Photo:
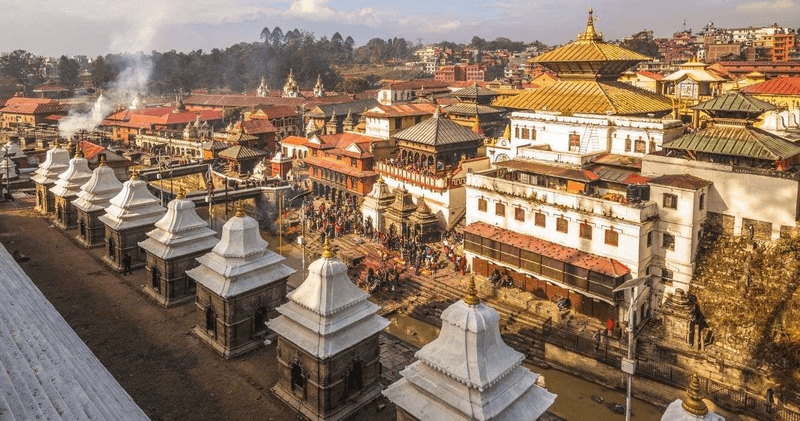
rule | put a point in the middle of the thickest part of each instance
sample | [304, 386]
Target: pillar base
[341, 413]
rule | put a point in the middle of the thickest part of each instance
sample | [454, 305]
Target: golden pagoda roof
[590, 48]
[590, 97]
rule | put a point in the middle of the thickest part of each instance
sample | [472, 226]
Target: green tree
[69, 72]
[353, 85]
[642, 46]
[24, 67]
[103, 72]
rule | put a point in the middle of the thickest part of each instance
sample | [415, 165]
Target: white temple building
[239, 283]
[469, 373]
[55, 163]
[129, 216]
[66, 189]
[172, 248]
[692, 408]
[92, 201]
[328, 349]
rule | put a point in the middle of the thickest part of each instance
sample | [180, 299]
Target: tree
[69, 72]
[276, 37]
[265, 34]
[24, 67]
[102, 72]
[642, 46]
[353, 85]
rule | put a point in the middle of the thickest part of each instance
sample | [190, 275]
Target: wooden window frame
[670, 201]
[519, 214]
[612, 237]
[585, 231]
[562, 225]
[540, 220]
[483, 205]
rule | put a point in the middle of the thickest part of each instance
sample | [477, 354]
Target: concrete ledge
[343, 412]
[228, 353]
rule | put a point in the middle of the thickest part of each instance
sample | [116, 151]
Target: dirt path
[148, 349]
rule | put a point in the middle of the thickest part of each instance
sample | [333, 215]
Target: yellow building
[782, 91]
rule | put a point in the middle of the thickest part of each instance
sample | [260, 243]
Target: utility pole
[280, 224]
[629, 363]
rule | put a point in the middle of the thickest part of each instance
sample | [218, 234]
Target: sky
[92, 27]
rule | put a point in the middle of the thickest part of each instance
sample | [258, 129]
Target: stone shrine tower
[468, 372]
[66, 189]
[180, 236]
[692, 408]
[263, 90]
[56, 162]
[129, 216]
[8, 169]
[239, 283]
[319, 88]
[290, 88]
[92, 201]
[280, 165]
[375, 205]
[328, 349]
[424, 224]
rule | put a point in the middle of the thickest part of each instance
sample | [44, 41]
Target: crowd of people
[332, 220]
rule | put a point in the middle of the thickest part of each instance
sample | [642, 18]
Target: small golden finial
[693, 403]
[103, 160]
[56, 144]
[326, 249]
[78, 151]
[239, 210]
[471, 299]
[181, 194]
[590, 34]
[134, 175]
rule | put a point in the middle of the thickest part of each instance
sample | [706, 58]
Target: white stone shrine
[66, 189]
[92, 201]
[45, 177]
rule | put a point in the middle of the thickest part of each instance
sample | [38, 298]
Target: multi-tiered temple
[55, 163]
[239, 283]
[66, 189]
[172, 248]
[91, 203]
[328, 349]
[129, 216]
[469, 373]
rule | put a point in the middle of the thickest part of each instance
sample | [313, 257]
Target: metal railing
[733, 400]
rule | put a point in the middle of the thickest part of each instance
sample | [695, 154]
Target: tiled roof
[595, 51]
[560, 171]
[342, 141]
[777, 86]
[575, 257]
[615, 175]
[651, 75]
[158, 116]
[474, 91]
[338, 166]
[681, 181]
[438, 130]
[255, 127]
[697, 75]
[589, 96]
[736, 140]
[428, 84]
[294, 140]
[735, 102]
[214, 145]
[466, 108]
[241, 152]
[19, 105]
[203, 100]
[51, 88]
[404, 110]
[326, 110]
[280, 111]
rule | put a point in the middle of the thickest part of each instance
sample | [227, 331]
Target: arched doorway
[259, 319]
[156, 279]
[298, 380]
[211, 321]
[354, 378]
[111, 249]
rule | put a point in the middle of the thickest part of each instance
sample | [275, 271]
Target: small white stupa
[8, 168]
[13, 150]
[91, 203]
[129, 216]
[55, 163]
[692, 408]
[469, 373]
[246, 277]
[180, 236]
[67, 187]
[376, 203]
[332, 329]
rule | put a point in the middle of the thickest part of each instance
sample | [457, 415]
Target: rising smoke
[131, 80]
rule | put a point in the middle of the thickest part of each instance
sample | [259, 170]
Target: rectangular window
[668, 241]
[649, 238]
[562, 225]
[539, 220]
[353, 162]
[519, 214]
[667, 274]
[612, 237]
[670, 201]
[574, 142]
[526, 133]
[639, 146]
[702, 201]
[533, 133]
[585, 231]
[499, 209]
[482, 205]
[516, 132]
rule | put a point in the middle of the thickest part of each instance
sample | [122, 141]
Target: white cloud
[319, 11]
[766, 6]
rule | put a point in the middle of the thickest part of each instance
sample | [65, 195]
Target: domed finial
[78, 151]
[693, 403]
[380, 179]
[181, 193]
[326, 249]
[134, 175]
[239, 210]
[438, 112]
[102, 160]
[471, 299]
[56, 144]
[590, 34]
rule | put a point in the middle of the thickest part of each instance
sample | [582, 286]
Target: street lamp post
[629, 363]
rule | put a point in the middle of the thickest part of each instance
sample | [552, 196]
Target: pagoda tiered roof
[96, 193]
[438, 130]
[70, 181]
[327, 313]
[55, 163]
[240, 262]
[134, 206]
[180, 232]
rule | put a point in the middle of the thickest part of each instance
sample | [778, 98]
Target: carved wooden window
[482, 205]
[540, 220]
[499, 209]
[612, 237]
[562, 225]
[519, 214]
[585, 231]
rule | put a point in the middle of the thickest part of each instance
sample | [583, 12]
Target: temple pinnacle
[326, 250]
[693, 403]
[471, 299]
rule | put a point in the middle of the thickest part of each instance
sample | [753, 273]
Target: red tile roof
[339, 166]
[257, 127]
[341, 141]
[277, 112]
[294, 140]
[575, 257]
[428, 84]
[777, 86]
[404, 110]
[142, 119]
[20, 105]
[651, 75]
[681, 181]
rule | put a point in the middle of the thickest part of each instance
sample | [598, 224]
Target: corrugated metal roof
[465, 108]
[777, 86]
[745, 141]
[735, 102]
[560, 171]
[474, 91]
[682, 181]
[241, 152]
[589, 96]
[438, 130]
[589, 51]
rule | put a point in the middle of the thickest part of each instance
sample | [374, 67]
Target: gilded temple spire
[590, 34]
